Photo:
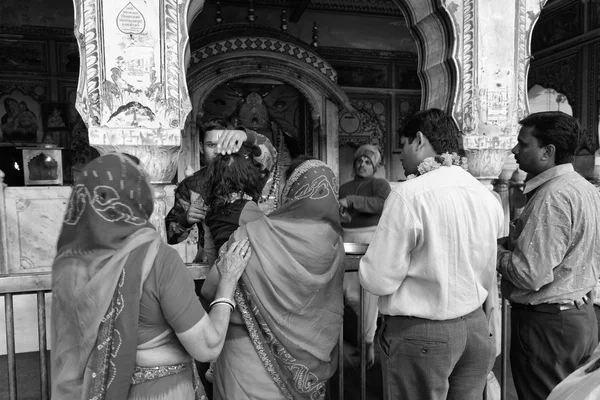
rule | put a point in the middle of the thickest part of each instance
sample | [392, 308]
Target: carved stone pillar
[132, 91]
[474, 58]
[493, 59]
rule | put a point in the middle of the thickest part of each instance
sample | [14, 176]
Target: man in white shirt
[432, 261]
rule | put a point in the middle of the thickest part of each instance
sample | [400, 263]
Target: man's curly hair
[437, 126]
[231, 174]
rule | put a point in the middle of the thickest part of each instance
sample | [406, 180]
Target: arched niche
[228, 58]
[547, 99]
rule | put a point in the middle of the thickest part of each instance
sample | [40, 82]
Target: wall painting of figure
[20, 119]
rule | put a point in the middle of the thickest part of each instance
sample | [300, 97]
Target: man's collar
[547, 175]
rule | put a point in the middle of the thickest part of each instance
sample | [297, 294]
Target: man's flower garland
[433, 163]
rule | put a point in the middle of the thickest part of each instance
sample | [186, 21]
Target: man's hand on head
[231, 141]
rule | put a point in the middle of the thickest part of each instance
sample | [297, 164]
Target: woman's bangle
[223, 300]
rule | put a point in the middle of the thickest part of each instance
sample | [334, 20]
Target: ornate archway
[224, 55]
[431, 25]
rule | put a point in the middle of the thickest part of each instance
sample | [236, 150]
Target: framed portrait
[24, 56]
[595, 14]
[406, 104]
[68, 58]
[562, 23]
[68, 94]
[20, 119]
[407, 78]
[55, 117]
[363, 74]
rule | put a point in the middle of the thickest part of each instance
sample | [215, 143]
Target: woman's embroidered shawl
[290, 294]
[105, 247]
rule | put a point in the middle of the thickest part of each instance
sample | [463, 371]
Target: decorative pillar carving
[493, 57]
[132, 91]
[474, 65]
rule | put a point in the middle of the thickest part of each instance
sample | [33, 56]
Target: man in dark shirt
[216, 136]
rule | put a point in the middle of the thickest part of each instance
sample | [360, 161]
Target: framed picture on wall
[24, 56]
[20, 119]
[407, 78]
[68, 94]
[406, 104]
[55, 117]
[68, 58]
[363, 74]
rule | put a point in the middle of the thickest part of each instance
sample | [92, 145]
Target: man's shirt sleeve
[539, 248]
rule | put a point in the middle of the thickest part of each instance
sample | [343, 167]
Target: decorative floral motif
[304, 381]
[441, 160]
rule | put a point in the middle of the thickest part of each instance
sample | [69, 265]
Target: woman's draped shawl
[290, 294]
[105, 249]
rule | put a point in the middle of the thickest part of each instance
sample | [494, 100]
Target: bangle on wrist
[222, 300]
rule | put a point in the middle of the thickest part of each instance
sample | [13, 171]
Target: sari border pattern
[304, 381]
[248, 317]
[107, 346]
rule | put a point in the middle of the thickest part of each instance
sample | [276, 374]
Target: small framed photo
[68, 58]
[406, 104]
[24, 56]
[363, 74]
[20, 119]
[55, 117]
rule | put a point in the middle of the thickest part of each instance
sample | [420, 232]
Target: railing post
[341, 365]
[10, 346]
[363, 353]
[505, 349]
[41, 313]
[357, 250]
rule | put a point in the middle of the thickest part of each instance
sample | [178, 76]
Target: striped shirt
[556, 256]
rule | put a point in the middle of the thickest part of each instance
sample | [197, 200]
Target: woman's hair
[231, 174]
[295, 163]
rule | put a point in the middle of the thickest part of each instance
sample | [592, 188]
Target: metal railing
[10, 286]
[40, 284]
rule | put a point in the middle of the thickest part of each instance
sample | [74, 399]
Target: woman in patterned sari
[282, 344]
[125, 319]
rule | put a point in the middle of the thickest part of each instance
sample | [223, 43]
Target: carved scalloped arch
[211, 83]
[310, 81]
[433, 30]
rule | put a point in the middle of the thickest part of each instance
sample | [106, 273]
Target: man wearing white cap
[361, 204]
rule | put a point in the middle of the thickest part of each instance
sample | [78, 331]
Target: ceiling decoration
[377, 7]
